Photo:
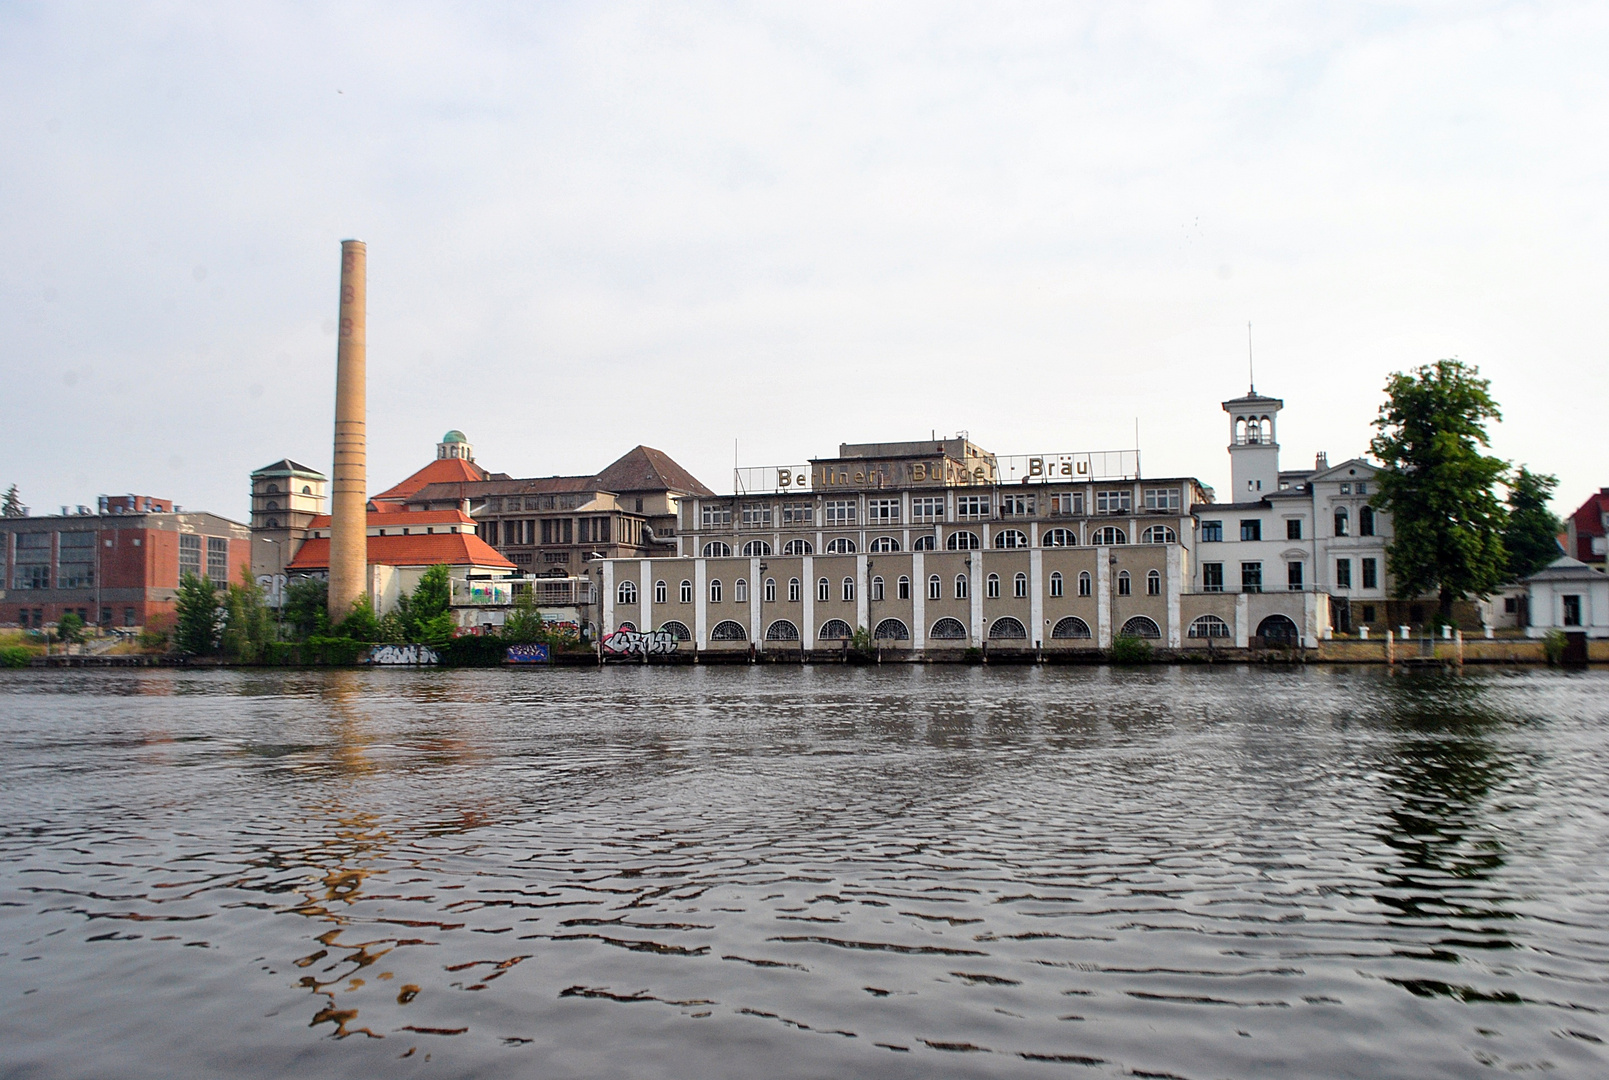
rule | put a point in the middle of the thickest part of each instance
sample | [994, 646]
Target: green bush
[1130, 650]
[15, 655]
[335, 651]
[1553, 647]
[472, 650]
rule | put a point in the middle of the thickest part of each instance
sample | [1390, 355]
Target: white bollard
[1363, 633]
[1488, 633]
[1446, 633]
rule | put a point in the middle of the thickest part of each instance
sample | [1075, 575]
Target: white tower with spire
[1253, 445]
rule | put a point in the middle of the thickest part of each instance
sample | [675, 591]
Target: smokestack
[349, 532]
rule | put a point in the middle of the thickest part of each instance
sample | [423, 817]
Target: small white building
[1568, 595]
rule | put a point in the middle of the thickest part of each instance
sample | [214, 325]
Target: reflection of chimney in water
[349, 540]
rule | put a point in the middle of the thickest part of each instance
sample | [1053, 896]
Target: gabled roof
[442, 470]
[1566, 569]
[451, 549]
[1252, 400]
[1335, 472]
[540, 485]
[398, 518]
[643, 468]
[287, 467]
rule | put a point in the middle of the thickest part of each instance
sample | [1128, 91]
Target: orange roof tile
[452, 549]
[398, 516]
[440, 471]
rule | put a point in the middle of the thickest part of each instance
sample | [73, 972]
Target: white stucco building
[1568, 595]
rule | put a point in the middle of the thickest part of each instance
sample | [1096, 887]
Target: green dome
[454, 436]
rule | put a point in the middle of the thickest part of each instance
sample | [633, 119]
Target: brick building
[1586, 528]
[116, 567]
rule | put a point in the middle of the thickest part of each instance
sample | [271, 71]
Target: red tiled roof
[440, 471]
[452, 549]
[397, 516]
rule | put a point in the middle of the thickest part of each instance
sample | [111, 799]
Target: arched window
[960, 586]
[948, 630]
[1058, 538]
[1366, 521]
[840, 545]
[1340, 521]
[1070, 627]
[963, 541]
[1019, 586]
[1240, 431]
[798, 547]
[1278, 630]
[1141, 627]
[1055, 583]
[770, 595]
[1209, 626]
[1153, 583]
[756, 549]
[1124, 585]
[823, 590]
[1010, 538]
[661, 592]
[793, 590]
[740, 590]
[716, 549]
[306, 490]
[626, 593]
[877, 588]
[687, 592]
[1159, 534]
[835, 630]
[991, 586]
[273, 523]
[891, 630]
[904, 587]
[849, 588]
[1109, 536]
[782, 630]
[925, 543]
[727, 630]
[884, 543]
[628, 626]
[678, 631]
[1007, 629]
[935, 587]
[715, 590]
[273, 489]
[272, 505]
[1083, 583]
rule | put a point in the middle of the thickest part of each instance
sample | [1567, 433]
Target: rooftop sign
[853, 474]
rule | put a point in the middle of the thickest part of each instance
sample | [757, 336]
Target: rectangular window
[128, 616]
[1511, 604]
[1363, 488]
[77, 569]
[798, 513]
[1572, 610]
[1251, 577]
[1114, 502]
[547, 531]
[1064, 503]
[600, 530]
[1212, 532]
[1251, 529]
[1368, 613]
[841, 511]
[1343, 573]
[882, 511]
[1371, 573]
[928, 508]
[971, 506]
[564, 530]
[1293, 529]
[189, 555]
[1162, 498]
[218, 560]
[1016, 505]
[1346, 489]
[1212, 577]
[30, 576]
[1293, 576]
[717, 516]
[756, 515]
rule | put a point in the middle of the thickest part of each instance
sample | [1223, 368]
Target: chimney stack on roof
[1321, 461]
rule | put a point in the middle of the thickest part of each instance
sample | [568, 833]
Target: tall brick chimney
[349, 525]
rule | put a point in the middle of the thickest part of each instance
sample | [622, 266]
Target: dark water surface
[773, 872]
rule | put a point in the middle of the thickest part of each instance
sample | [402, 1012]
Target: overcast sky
[597, 225]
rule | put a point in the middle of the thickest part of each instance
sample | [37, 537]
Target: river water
[904, 871]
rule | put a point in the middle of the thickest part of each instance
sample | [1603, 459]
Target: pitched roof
[643, 468]
[442, 470]
[394, 519]
[1566, 569]
[452, 549]
[287, 467]
[541, 485]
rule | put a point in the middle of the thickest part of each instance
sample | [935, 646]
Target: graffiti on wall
[403, 655]
[639, 643]
[534, 653]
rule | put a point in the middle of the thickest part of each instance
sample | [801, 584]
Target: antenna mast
[1251, 367]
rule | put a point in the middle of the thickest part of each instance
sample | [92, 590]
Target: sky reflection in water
[900, 871]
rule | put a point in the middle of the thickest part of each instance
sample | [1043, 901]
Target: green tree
[427, 614]
[1532, 536]
[306, 607]
[360, 623]
[1438, 485]
[524, 622]
[13, 505]
[249, 627]
[200, 617]
[70, 628]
